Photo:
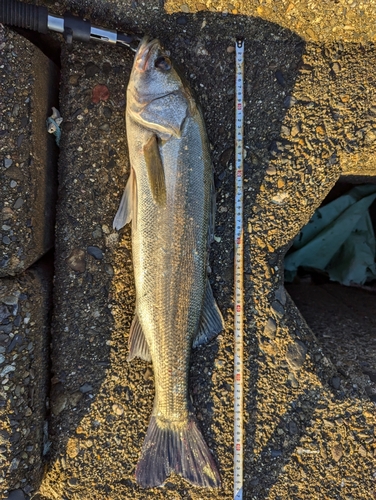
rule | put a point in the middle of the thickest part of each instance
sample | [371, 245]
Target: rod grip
[24, 15]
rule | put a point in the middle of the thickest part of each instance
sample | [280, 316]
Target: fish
[170, 199]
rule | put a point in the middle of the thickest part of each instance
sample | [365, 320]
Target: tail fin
[171, 448]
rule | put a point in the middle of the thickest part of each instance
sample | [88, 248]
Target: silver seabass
[169, 198]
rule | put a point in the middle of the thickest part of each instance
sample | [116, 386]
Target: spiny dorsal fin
[155, 171]
[211, 322]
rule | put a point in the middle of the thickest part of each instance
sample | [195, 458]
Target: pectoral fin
[211, 322]
[137, 342]
[127, 209]
[155, 171]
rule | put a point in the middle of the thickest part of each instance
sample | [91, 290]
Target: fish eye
[163, 63]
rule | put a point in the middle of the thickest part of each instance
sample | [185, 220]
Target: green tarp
[339, 240]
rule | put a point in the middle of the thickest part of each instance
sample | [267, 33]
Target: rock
[271, 170]
[289, 101]
[296, 353]
[148, 373]
[77, 260]
[117, 409]
[337, 452]
[293, 380]
[280, 295]
[95, 252]
[336, 383]
[270, 328]
[278, 310]
[86, 388]
[16, 495]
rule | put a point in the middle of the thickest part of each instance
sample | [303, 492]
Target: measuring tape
[238, 313]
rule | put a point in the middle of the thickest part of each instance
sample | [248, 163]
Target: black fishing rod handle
[24, 15]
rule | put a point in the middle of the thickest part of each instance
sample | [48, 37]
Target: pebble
[278, 309]
[289, 101]
[279, 198]
[270, 328]
[7, 162]
[182, 20]
[91, 70]
[2, 359]
[280, 295]
[117, 409]
[148, 373]
[73, 448]
[185, 8]
[295, 356]
[337, 452]
[7, 369]
[95, 252]
[230, 49]
[18, 203]
[86, 388]
[16, 495]
[271, 170]
[76, 260]
[293, 380]
[336, 383]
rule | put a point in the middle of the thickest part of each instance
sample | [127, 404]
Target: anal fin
[137, 342]
[211, 322]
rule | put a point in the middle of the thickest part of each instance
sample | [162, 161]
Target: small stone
[280, 183]
[362, 451]
[6, 240]
[7, 162]
[95, 252]
[2, 359]
[73, 448]
[280, 295]
[336, 383]
[279, 198]
[336, 67]
[270, 328]
[271, 170]
[295, 356]
[148, 373]
[280, 78]
[18, 203]
[117, 409]
[295, 130]
[219, 363]
[278, 309]
[337, 452]
[293, 380]
[182, 20]
[86, 388]
[275, 453]
[109, 269]
[289, 101]
[107, 112]
[100, 93]
[76, 260]
[73, 482]
[185, 8]
[97, 233]
[285, 131]
[16, 495]
[91, 70]
[293, 428]
[230, 49]
[7, 369]
[13, 184]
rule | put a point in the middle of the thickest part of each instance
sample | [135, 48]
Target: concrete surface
[25, 304]
[28, 156]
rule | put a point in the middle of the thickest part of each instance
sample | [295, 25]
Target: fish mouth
[145, 50]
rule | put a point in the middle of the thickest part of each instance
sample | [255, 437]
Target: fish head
[157, 97]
